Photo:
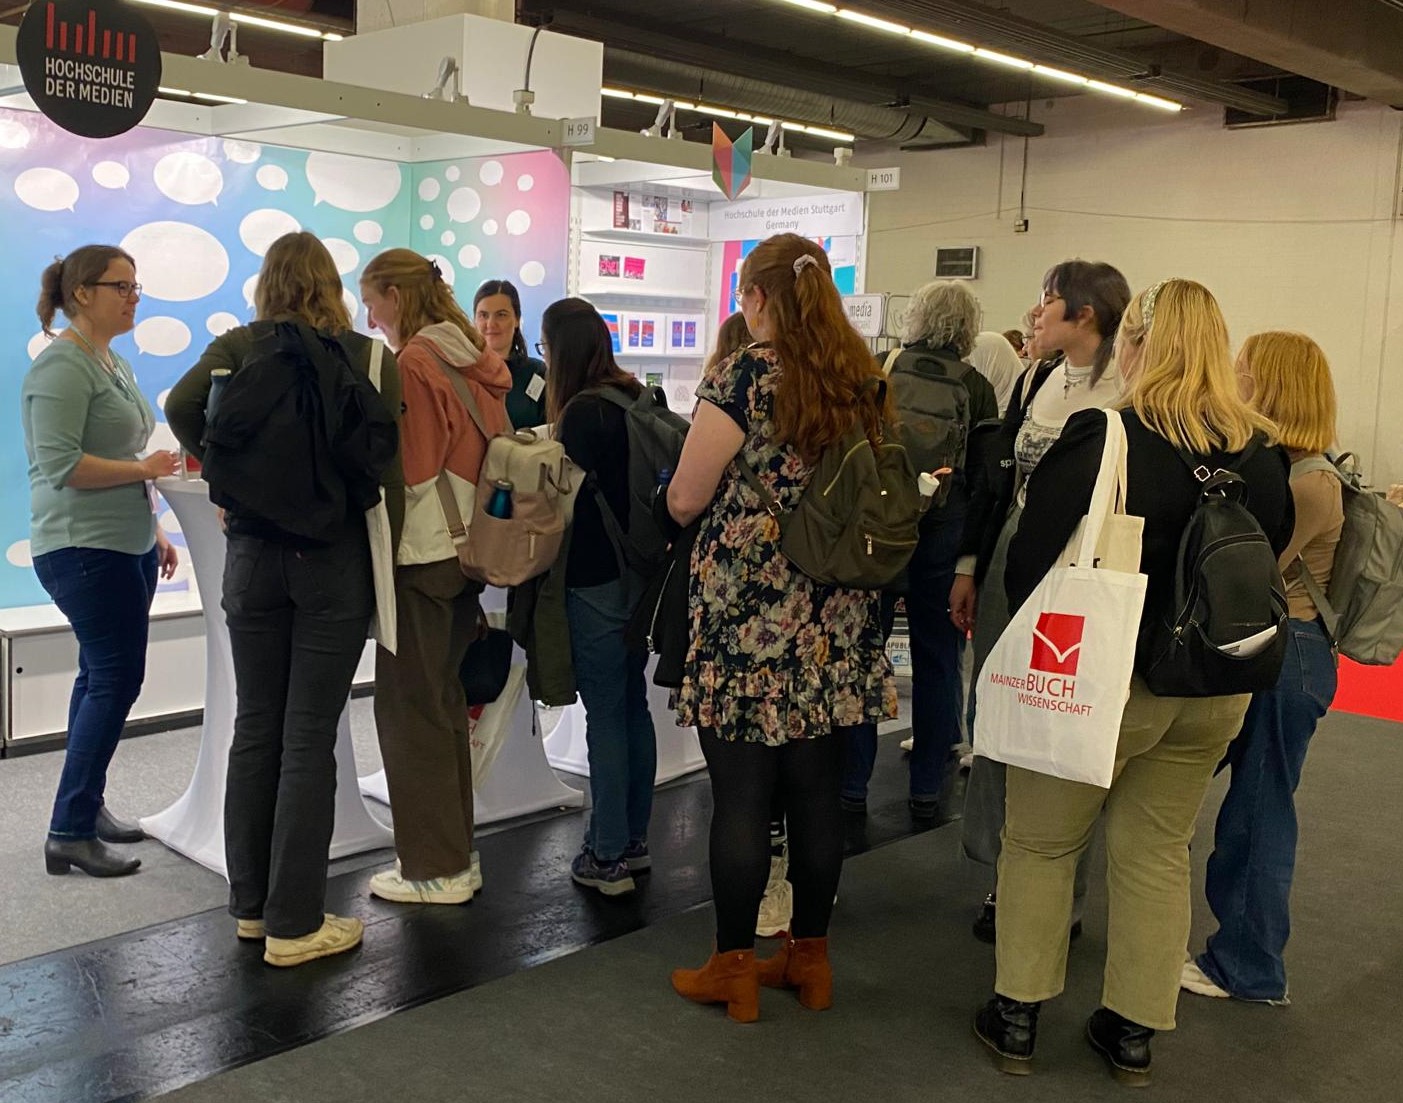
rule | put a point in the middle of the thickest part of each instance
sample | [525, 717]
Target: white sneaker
[389, 884]
[909, 743]
[474, 870]
[777, 905]
[336, 935]
[1193, 979]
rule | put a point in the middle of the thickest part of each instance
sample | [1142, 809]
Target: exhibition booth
[231, 158]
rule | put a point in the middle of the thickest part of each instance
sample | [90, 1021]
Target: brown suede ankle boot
[727, 978]
[802, 963]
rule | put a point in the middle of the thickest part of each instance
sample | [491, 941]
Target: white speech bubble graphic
[429, 189]
[271, 177]
[14, 134]
[451, 173]
[426, 222]
[161, 399]
[176, 261]
[19, 554]
[37, 344]
[163, 439]
[353, 183]
[448, 239]
[352, 303]
[188, 178]
[525, 182]
[343, 253]
[464, 205]
[490, 227]
[518, 222]
[242, 153]
[221, 322]
[445, 267]
[469, 256]
[368, 232]
[46, 189]
[111, 174]
[169, 522]
[533, 273]
[250, 286]
[260, 228]
[491, 173]
[161, 336]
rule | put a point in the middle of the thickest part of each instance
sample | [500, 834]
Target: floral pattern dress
[774, 655]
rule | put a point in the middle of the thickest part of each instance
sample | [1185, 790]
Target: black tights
[806, 776]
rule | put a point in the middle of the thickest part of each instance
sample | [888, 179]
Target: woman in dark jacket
[1181, 394]
[497, 312]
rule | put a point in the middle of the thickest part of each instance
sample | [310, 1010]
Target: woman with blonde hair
[1287, 377]
[298, 612]
[779, 665]
[455, 390]
[1182, 410]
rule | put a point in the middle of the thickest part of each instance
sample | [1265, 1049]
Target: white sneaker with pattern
[390, 884]
[777, 905]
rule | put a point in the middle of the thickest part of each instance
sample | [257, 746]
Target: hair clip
[804, 261]
[436, 270]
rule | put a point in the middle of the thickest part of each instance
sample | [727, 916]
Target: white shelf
[593, 292]
[643, 236]
[661, 354]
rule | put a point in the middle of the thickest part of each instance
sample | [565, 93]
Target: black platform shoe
[985, 926]
[112, 830]
[1124, 1045]
[1010, 1029]
[89, 855]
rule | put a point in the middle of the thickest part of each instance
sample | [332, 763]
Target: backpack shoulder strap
[465, 393]
[377, 350]
[1307, 464]
[892, 358]
[457, 529]
[767, 498]
[613, 395]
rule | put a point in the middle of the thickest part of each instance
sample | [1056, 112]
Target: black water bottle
[218, 380]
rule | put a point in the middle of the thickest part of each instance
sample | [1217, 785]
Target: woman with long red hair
[779, 665]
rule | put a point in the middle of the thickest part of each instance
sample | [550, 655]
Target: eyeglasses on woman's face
[125, 288]
[1047, 298]
[541, 347]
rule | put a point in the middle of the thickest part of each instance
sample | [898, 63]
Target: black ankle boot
[89, 855]
[1124, 1045]
[112, 830]
[1010, 1029]
[984, 923]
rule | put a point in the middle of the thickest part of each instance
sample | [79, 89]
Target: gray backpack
[1363, 610]
[932, 410]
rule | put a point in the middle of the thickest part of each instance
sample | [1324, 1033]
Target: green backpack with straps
[857, 523]
[1363, 608]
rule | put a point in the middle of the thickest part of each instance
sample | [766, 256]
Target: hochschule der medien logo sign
[92, 66]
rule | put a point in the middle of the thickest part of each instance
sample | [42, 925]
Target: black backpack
[932, 408]
[655, 436]
[299, 439]
[1225, 630]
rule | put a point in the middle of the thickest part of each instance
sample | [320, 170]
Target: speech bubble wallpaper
[198, 214]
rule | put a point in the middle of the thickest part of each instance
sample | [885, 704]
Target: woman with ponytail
[421, 713]
[1079, 313]
[779, 665]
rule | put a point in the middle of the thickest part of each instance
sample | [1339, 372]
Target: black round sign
[90, 65]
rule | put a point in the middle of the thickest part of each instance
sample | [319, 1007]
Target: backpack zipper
[887, 543]
[657, 605]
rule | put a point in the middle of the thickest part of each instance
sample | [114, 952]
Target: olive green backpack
[856, 524]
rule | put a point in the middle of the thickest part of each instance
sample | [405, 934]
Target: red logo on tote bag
[1057, 643]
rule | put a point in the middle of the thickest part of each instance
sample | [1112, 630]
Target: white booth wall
[1292, 227]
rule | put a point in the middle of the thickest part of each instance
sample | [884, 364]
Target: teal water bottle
[500, 504]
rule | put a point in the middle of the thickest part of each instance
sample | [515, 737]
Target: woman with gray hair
[939, 397]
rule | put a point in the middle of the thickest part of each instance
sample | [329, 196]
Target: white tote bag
[384, 626]
[1052, 691]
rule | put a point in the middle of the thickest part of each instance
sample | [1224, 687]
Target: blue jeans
[1254, 843]
[106, 596]
[937, 694]
[623, 748]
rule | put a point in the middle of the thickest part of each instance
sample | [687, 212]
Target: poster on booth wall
[685, 335]
[842, 257]
[199, 213]
[612, 322]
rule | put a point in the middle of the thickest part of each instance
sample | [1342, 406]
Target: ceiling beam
[726, 55]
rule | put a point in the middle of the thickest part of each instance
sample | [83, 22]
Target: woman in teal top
[93, 532]
[497, 313]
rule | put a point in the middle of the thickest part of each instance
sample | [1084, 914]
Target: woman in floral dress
[778, 664]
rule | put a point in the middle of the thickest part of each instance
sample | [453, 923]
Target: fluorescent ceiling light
[1111, 89]
[727, 113]
[215, 98]
[872, 21]
[813, 5]
[616, 93]
[1156, 101]
[332, 36]
[942, 42]
[820, 132]
[644, 97]
[1059, 74]
[171, 91]
[1002, 59]
[240, 17]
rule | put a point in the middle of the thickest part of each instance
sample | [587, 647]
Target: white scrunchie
[805, 259]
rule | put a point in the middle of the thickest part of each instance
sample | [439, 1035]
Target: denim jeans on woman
[623, 749]
[106, 596]
[1254, 843]
[297, 623]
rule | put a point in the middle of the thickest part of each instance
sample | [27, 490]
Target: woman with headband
[779, 665]
[421, 712]
[1181, 402]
